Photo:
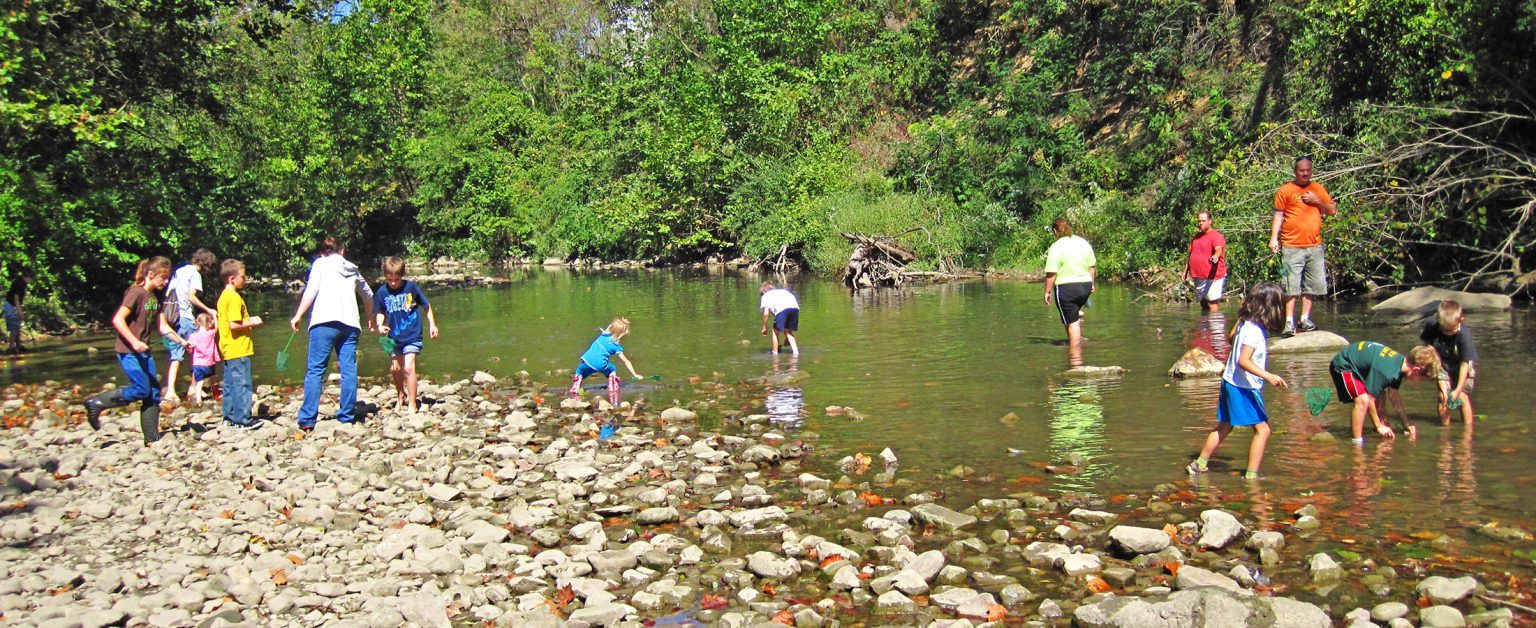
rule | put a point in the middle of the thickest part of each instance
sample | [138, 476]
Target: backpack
[170, 307]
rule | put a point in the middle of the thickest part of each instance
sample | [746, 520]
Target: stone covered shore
[499, 506]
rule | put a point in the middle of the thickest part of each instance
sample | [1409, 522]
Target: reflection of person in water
[1077, 420]
[1211, 335]
[786, 404]
[1457, 470]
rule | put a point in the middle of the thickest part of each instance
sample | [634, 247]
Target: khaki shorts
[1304, 271]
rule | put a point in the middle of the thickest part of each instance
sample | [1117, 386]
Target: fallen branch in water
[1518, 607]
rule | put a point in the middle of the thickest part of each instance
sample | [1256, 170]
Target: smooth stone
[1442, 590]
[1218, 528]
[1139, 540]
[1441, 617]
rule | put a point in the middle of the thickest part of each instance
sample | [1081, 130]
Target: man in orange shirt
[1297, 235]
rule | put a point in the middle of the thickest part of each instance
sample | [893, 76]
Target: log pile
[876, 261]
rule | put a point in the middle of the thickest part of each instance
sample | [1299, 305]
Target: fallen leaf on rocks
[279, 577]
[1172, 532]
[656, 473]
[920, 600]
[871, 499]
[296, 559]
[783, 617]
[829, 560]
[996, 612]
[660, 442]
[713, 603]
[861, 463]
[1173, 568]
[491, 475]
[228, 514]
[1095, 585]
[564, 596]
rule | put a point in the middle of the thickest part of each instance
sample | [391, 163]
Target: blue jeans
[237, 391]
[143, 383]
[175, 352]
[323, 339]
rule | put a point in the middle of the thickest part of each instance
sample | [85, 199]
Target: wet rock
[1388, 611]
[678, 415]
[1422, 300]
[941, 517]
[1091, 516]
[1196, 363]
[757, 517]
[1441, 617]
[1200, 607]
[1093, 372]
[1311, 341]
[601, 614]
[1136, 540]
[1044, 554]
[1496, 617]
[1266, 539]
[1323, 567]
[1079, 564]
[658, 516]
[1191, 577]
[1441, 590]
[1218, 528]
[894, 602]
[768, 565]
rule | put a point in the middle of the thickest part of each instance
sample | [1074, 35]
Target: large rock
[1423, 299]
[1441, 617]
[1191, 577]
[1210, 608]
[941, 517]
[1218, 529]
[1319, 340]
[1094, 372]
[1442, 590]
[771, 566]
[425, 609]
[757, 516]
[1139, 540]
[1196, 363]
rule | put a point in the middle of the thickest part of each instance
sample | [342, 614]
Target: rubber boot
[613, 390]
[149, 422]
[95, 405]
[575, 385]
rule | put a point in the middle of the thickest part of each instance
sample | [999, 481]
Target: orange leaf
[1172, 532]
[554, 608]
[655, 473]
[538, 399]
[279, 577]
[783, 617]
[872, 499]
[713, 603]
[228, 514]
[660, 442]
[996, 612]
[1095, 584]
[1173, 568]
[829, 560]
[1426, 535]
[564, 596]
[296, 559]
[769, 589]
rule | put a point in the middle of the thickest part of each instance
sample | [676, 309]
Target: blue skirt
[1240, 406]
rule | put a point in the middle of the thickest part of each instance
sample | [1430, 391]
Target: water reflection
[1077, 427]
[786, 398]
[1456, 470]
[1210, 335]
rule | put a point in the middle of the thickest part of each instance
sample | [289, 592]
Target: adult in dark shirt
[15, 309]
[1458, 356]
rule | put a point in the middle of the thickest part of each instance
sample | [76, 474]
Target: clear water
[933, 369]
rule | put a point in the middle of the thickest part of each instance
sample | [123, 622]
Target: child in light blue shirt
[599, 359]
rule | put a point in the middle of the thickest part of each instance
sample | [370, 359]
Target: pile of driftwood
[876, 261]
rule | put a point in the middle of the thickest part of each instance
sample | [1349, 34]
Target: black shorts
[787, 320]
[1070, 299]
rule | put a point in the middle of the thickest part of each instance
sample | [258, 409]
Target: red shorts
[1347, 384]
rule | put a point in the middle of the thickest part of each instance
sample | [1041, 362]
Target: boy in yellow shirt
[236, 327]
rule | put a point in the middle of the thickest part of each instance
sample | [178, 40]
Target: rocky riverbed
[500, 504]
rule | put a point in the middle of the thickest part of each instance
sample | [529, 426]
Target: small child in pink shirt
[205, 354]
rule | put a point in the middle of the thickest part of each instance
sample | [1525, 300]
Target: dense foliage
[675, 130]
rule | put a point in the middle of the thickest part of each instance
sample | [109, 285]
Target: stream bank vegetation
[677, 131]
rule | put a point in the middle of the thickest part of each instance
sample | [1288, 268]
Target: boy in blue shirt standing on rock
[398, 306]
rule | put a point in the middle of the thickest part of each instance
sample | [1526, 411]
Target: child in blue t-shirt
[598, 359]
[398, 306]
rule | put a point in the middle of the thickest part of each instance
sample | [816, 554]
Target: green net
[1317, 399]
[387, 344]
[1454, 403]
[282, 356]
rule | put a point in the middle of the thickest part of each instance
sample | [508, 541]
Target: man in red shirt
[1297, 235]
[1207, 263]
